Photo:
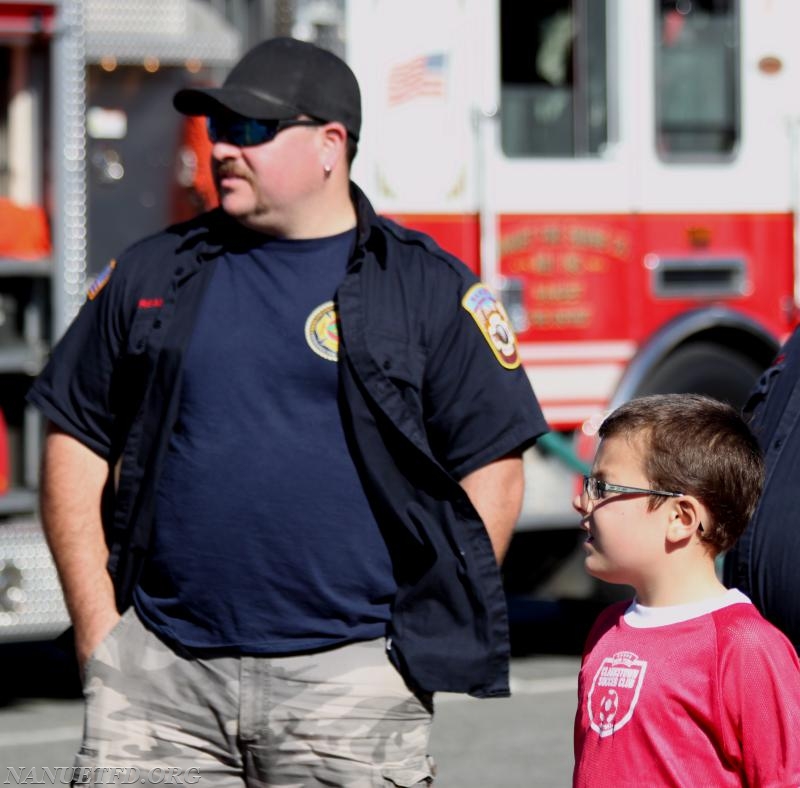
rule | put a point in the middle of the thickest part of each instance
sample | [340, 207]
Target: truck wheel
[705, 368]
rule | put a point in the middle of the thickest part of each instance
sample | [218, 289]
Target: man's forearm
[72, 483]
[496, 492]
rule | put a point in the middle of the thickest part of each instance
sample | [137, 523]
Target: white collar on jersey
[642, 617]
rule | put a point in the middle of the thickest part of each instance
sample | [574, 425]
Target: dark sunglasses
[244, 132]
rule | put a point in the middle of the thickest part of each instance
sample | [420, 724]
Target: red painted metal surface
[591, 278]
[585, 277]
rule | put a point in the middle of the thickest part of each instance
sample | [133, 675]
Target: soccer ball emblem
[609, 705]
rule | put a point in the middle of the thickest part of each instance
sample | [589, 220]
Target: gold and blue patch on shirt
[494, 324]
[101, 280]
[322, 331]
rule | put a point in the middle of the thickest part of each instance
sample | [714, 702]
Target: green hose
[556, 444]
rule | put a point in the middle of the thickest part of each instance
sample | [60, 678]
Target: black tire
[705, 368]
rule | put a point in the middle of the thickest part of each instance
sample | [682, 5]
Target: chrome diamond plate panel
[172, 31]
[31, 602]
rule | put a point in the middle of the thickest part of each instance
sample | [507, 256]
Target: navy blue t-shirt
[264, 541]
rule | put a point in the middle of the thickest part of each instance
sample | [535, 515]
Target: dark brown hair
[698, 446]
[351, 149]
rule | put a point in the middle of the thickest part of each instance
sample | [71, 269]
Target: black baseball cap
[279, 79]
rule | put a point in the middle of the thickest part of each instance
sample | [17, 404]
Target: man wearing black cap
[285, 444]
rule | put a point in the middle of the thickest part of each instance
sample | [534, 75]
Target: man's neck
[321, 216]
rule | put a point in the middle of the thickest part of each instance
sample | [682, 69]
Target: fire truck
[623, 173]
[91, 157]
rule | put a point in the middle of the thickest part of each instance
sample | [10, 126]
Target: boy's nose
[578, 504]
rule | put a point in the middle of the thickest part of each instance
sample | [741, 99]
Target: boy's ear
[685, 518]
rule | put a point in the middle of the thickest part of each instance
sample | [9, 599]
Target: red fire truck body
[623, 172]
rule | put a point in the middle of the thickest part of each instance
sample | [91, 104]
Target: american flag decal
[420, 76]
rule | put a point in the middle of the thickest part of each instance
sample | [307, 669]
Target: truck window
[697, 78]
[553, 98]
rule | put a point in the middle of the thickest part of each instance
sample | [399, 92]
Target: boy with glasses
[687, 684]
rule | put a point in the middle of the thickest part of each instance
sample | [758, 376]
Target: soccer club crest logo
[615, 692]
[322, 331]
[493, 322]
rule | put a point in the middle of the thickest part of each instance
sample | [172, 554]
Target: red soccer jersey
[693, 695]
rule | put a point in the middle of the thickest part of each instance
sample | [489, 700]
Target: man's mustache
[227, 169]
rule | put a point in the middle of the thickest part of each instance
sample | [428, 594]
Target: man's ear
[685, 518]
[334, 145]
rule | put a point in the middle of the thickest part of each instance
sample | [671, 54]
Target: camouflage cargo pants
[337, 718]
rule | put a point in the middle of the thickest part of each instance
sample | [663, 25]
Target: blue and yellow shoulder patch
[494, 324]
[100, 281]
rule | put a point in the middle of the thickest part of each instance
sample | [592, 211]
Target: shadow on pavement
[552, 601]
[37, 670]
[541, 626]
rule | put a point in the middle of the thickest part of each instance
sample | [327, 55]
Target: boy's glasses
[244, 132]
[596, 489]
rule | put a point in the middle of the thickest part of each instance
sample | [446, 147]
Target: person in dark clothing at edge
[285, 444]
[765, 563]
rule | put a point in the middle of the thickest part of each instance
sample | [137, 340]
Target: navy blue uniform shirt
[765, 562]
[263, 539]
[430, 389]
